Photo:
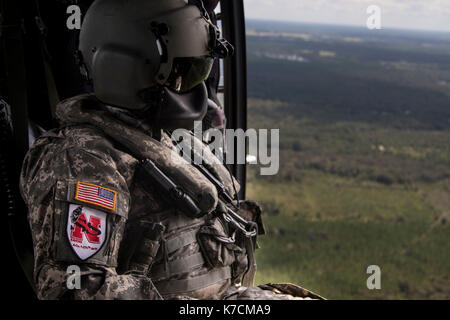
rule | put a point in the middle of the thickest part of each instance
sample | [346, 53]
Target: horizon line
[386, 28]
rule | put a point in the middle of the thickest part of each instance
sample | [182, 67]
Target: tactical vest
[184, 256]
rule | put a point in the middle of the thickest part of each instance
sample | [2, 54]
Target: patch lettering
[86, 230]
[94, 194]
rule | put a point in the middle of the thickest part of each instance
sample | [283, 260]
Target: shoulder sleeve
[78, 204]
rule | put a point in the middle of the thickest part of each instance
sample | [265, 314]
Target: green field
[364, 173]
[340, 204]
[323, 232]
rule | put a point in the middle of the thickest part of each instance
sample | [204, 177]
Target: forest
[364, 119]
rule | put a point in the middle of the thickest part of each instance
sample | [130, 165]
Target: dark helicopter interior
[39, 68]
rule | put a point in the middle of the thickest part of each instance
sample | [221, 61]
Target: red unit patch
[86, 230]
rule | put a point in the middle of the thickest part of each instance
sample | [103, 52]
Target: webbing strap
[177, 266]
[180, 241]
[195, 283]
[249, 276]
[52, 91]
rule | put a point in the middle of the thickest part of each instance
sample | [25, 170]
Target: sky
[404, 14]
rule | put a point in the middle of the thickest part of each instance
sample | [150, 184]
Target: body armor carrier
[197, 255]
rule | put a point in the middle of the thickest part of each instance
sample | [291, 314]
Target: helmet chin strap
[172, 110]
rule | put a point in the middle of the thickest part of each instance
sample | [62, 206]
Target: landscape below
[364, 178]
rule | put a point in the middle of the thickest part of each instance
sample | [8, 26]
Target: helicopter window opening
[221, 98]
[220, 88]
[160, 50]
[217, 9]
[221, 80]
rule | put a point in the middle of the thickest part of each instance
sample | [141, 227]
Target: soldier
[106, 191]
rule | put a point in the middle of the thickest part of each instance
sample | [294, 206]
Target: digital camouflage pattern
[151, 251]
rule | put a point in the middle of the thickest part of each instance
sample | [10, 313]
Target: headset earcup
[119, 74]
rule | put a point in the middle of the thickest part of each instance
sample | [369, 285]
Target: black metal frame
[235, 76]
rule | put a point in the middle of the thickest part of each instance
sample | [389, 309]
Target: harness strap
[249, 276]
[195, 283]
[52, 91]
[177, 266]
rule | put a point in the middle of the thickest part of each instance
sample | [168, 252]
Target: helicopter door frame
[235, 78]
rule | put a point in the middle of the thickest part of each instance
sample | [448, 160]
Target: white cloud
[412, 14]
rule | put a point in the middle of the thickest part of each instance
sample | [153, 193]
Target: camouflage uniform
[128, 243]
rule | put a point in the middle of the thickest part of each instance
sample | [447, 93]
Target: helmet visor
[187, 73]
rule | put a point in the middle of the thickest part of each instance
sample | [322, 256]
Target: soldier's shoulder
[74, 136]
[74, 153]
[55, 146]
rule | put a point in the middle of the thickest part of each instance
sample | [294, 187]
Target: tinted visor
[189, 72]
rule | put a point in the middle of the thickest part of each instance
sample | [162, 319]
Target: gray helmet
[134, 48]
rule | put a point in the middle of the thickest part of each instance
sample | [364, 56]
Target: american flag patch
[97, 195]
